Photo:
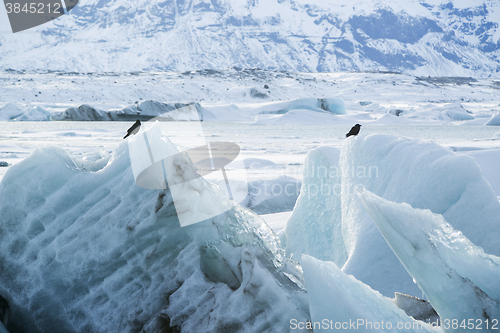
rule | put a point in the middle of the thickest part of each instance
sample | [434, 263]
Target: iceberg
[424, 175]
[458, 277]
[315, 227]
[172, 111]
[35, 114]
[90, 251]
[339, 302]
[146, 110]
[10, 111]
[83, 113]
[494, 121]
[330, 105]
[454, 112]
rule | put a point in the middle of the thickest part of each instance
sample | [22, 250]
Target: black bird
[135, 128]
[354, 130]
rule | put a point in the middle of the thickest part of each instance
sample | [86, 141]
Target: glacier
[85, 251]
[458, 277]
[424, 175]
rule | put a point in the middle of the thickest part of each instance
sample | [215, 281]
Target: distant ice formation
[301, 111]
[143, 111]
[453, 112]
[34, 114]
[10, 111]
[494, 121]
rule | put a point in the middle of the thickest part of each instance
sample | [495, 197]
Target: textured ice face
[458, 277]
[314, 228]
[424, 175]
[339, 302]
[91, 251]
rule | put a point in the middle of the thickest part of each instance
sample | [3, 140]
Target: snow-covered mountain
[421, 37]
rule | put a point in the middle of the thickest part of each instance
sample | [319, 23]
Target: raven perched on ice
[134, 128]
[354, 130]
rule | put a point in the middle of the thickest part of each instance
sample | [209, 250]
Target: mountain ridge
[425, 38]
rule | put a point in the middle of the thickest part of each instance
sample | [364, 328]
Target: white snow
[303, 117]
[294, 36]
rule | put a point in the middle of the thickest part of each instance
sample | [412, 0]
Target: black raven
[134, 128]
[354, 130]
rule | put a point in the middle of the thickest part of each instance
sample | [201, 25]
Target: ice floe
[424, 175]
[459, 278]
